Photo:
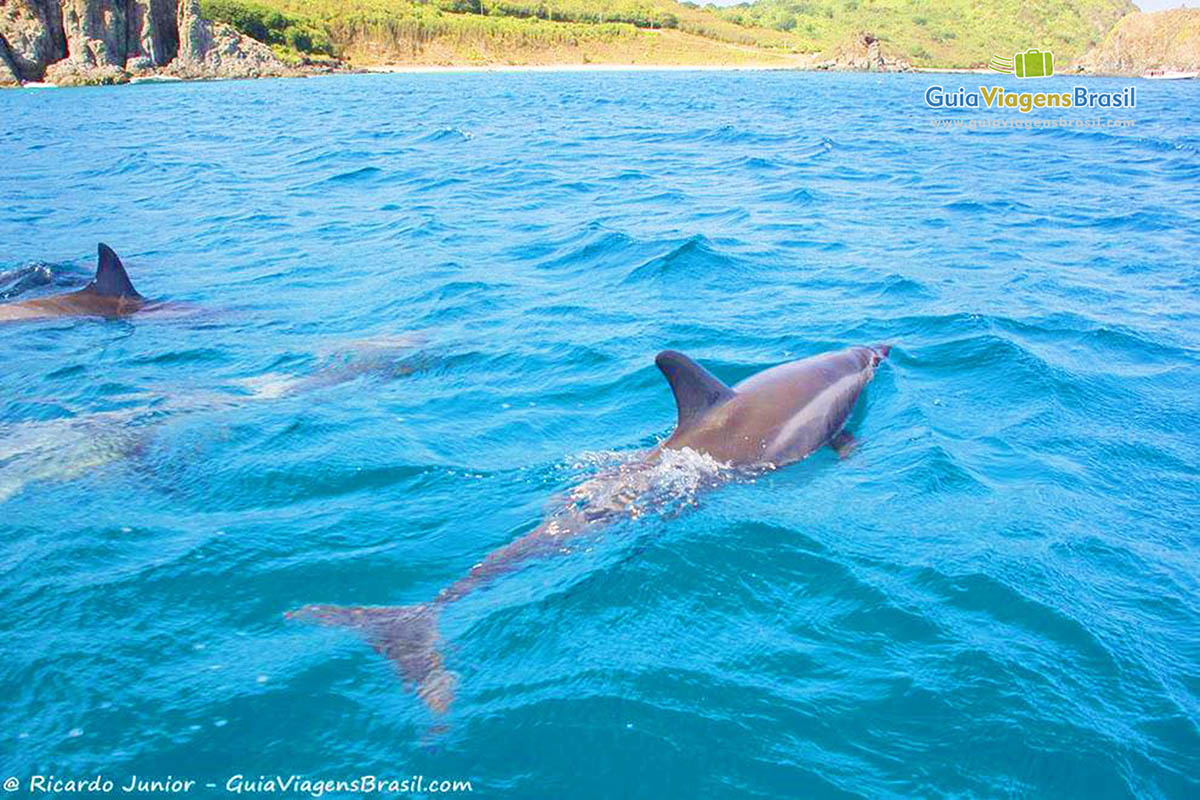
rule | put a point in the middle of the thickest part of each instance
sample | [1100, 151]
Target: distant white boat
[1165, 75]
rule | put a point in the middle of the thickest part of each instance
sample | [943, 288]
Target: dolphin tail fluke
[882, 350]
[407, 635]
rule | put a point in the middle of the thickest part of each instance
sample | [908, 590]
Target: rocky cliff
[108, 41]
[863, 52]
[1167, 40]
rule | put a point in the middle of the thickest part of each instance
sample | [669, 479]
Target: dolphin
[383, 358]
[67, 448]
[771, 419]
[110, 294]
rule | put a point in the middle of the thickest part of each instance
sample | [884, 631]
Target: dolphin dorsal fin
[111, 279]
[696, 389]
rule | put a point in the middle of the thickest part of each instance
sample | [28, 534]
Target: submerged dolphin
[776, 417]
[110, 294]
[381, 358]
[66, 448]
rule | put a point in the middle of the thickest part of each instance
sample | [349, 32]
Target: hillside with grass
[379, 32]
[946, 33]
[1163, 40]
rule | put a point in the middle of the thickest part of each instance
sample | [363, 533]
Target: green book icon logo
[1030, 64]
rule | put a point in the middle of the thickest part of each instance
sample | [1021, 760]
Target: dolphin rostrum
[775, 417]
[110, 294]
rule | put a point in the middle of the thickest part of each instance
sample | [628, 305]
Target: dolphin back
[111, 279]
[777, 416]
[696, 390]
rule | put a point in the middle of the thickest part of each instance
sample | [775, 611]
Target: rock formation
[864, 52]
[31, 34]
[108, 41]
[153, 29]
[9, 74]
[215, 50]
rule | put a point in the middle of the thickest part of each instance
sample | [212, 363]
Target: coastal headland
[88, 42]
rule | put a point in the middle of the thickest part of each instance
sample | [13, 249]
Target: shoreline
[419, 69]
[450, 69]
[384, 69]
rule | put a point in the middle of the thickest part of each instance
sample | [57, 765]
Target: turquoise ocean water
[416, 308]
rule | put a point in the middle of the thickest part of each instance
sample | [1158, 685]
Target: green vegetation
[948, 33]
[1167, 40]
[505, 31]
[285, 32]
[652, 14]
[953, 33]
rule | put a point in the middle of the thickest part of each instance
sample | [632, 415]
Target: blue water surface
[996, 595]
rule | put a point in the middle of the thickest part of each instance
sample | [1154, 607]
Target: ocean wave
[351, 177]
[447, 135]
[697, 258]
[15, 282]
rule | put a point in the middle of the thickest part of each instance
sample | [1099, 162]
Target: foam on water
[627, 484]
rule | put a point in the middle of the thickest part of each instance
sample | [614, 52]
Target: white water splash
[269, 386]
[635, 484]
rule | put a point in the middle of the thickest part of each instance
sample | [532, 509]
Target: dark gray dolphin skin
[776, 417]
[110, 294]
